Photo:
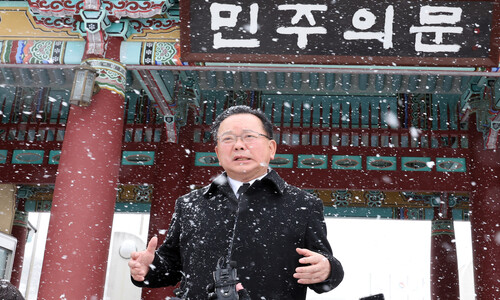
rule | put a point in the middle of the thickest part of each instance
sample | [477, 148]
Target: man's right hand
[140, 261]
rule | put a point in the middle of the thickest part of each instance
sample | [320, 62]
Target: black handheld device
[226, 278]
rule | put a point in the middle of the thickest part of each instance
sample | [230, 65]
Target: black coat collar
[272, 180]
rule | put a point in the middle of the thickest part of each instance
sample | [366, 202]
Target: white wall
[391, 257]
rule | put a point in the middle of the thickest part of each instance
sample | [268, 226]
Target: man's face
[241, 160]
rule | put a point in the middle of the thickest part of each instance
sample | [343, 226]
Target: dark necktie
[243, 188]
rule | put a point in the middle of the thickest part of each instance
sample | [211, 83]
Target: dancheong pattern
[33, 52]
[161, 54]
[111, 74]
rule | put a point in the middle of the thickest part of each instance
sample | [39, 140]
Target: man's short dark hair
[241, 109]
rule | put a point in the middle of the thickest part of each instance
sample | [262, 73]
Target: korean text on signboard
[410, 32]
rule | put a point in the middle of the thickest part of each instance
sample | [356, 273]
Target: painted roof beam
[152, 82]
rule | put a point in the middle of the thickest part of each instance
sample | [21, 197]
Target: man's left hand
[317, 270]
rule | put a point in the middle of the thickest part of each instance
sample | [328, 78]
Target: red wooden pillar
[20, 231]
[173, 167]
[76, 251]
[485, 217]
[444, 265]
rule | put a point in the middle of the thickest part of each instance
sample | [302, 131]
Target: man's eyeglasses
[247, 137]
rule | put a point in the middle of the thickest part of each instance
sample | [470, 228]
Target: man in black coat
[274, 232]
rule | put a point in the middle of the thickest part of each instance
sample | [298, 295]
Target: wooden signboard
[365, 32]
